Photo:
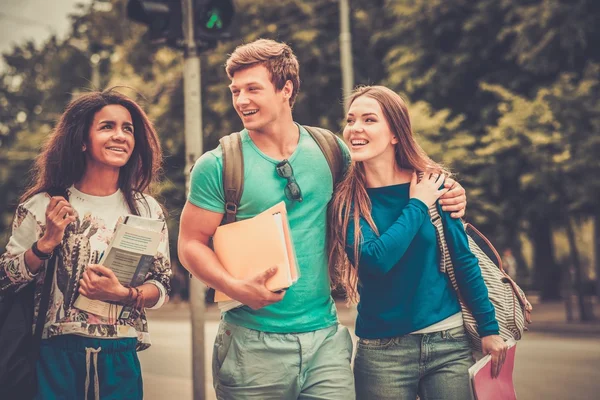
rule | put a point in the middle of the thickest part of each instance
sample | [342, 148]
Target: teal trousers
[72, 367]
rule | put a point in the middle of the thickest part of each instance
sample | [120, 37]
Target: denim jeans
[433, 366]
[253, 365]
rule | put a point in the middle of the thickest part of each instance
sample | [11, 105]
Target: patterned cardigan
[83, 243]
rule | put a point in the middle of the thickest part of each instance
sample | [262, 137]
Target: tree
[442, 52]
[549, 132]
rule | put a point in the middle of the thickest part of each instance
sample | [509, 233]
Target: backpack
[511, 305]
[233, 165]
[20, 346]
[233, 170]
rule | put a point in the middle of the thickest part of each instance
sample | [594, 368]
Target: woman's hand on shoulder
[428, 189]
[59, 214]
[101, 283]
[497, 347]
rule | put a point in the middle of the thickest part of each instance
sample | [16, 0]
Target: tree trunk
[522, 272]
[597, 250]
[586, 312]
[546, 270]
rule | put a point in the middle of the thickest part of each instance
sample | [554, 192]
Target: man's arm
[196, 227]
[455, 200]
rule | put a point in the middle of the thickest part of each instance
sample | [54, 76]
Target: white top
[452, 321]
[83, 243]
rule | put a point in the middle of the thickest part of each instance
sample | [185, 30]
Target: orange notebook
[501, 388]
[251, 246]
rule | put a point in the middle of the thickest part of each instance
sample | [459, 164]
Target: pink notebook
[501, 388]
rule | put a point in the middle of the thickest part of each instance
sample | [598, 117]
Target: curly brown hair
[61, 162]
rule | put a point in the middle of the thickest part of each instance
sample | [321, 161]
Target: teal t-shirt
[307, 305]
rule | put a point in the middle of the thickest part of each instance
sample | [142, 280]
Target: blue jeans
[434, 366]
[253, 365]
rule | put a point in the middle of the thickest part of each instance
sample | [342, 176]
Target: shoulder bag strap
[445, 259]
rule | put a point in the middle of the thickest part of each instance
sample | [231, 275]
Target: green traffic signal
[214, 19]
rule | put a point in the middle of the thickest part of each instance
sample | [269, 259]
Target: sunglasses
[292, 189]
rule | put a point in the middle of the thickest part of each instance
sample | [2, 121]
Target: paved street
[549, 366]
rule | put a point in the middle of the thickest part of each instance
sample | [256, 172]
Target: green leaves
[504, 92]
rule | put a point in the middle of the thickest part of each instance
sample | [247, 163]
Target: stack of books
[251, 246]
[130, 256]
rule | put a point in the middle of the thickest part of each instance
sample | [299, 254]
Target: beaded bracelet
[140, 300]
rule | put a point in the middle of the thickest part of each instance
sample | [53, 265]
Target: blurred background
[504, 92]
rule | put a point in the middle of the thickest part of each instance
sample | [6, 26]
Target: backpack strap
[46, 289]
[436, 221]
[43, 309]
[331, 150]
[445, 260]
[233, 174]
[233, 183]
[233, 165]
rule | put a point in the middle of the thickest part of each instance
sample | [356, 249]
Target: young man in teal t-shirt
[285, 345]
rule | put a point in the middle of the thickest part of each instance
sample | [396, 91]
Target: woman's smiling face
[367, 132]
[111, 138]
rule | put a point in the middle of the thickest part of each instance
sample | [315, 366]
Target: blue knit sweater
[401, 287]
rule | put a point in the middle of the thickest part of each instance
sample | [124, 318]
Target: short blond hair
[278, 58]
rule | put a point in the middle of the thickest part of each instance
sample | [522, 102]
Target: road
[548, 366]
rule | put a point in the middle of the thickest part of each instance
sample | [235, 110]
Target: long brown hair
[61, 162]
[351, 201]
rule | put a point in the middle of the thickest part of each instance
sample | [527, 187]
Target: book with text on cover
[251, 246]
[129, 255]
[501, 388]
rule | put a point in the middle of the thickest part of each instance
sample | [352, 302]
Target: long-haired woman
[104, 154]
[384, 251]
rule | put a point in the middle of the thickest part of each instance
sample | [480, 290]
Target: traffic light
[162, 17]
[212, 19]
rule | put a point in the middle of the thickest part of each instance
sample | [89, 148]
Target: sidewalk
[548, 317]
[554, 355]
[551, 317]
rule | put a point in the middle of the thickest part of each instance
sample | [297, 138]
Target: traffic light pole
[193, 150]
[346, 51]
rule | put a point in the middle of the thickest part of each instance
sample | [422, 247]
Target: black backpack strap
[233, 174]
[46, 289]
[43, 309]
[331, 150]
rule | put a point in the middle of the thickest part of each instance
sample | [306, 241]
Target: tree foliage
[505, 92]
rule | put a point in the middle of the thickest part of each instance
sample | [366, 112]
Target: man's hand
[455, 200]
[497, 347]
[254, 293]
[100, 283]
